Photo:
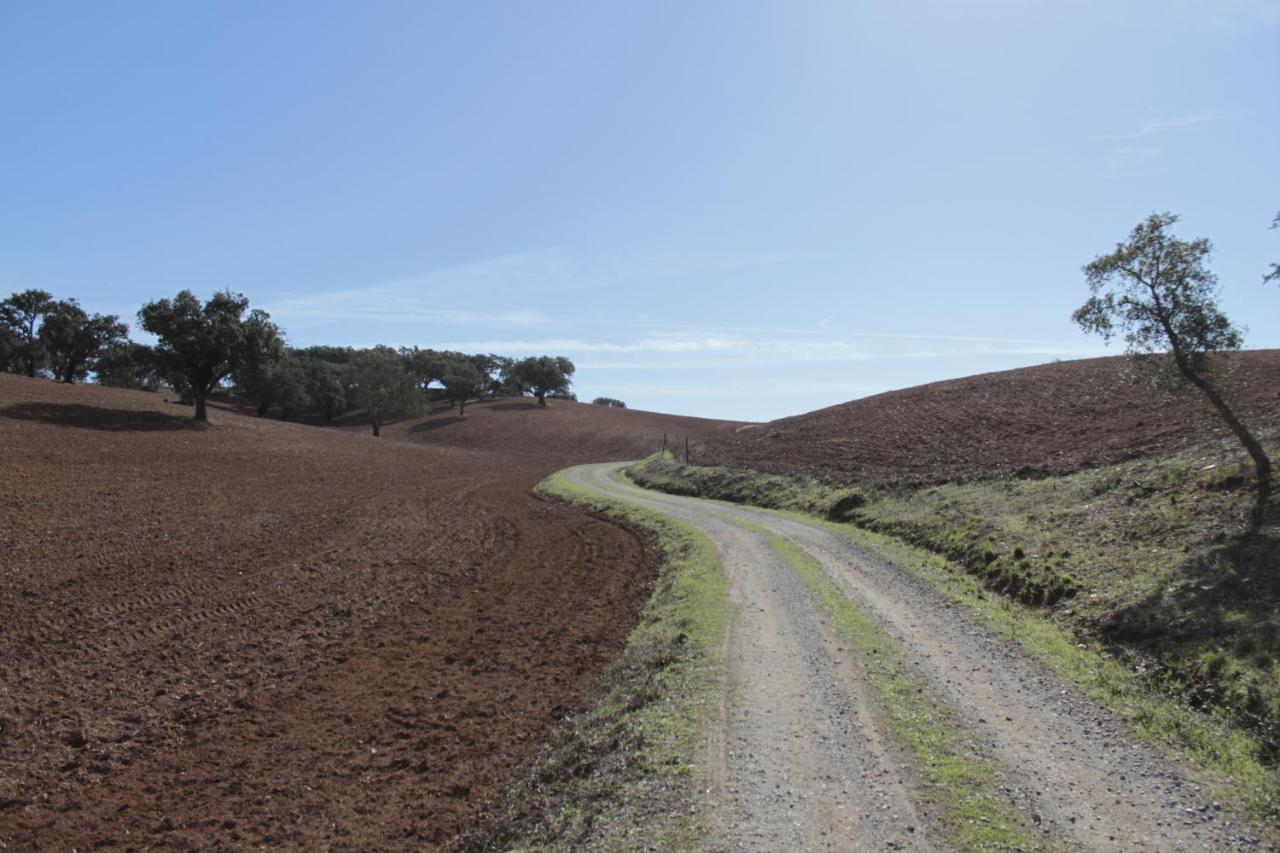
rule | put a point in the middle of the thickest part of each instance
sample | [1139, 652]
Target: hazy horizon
[736, 210]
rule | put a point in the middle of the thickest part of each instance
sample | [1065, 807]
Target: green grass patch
[622, 773]
[1174, 625]
[1210, 741]
[1002, 564]
[959, 778]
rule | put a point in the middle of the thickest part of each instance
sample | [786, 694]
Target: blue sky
[735, 209]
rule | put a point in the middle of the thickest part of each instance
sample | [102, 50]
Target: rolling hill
[1036, 421]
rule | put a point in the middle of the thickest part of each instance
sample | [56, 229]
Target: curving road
[804, 759]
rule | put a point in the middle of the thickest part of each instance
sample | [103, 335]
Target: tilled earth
[1036, 421]
[265, 633]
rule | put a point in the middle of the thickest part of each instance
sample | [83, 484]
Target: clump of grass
[960, 779]
[744, 487]
[622, 773]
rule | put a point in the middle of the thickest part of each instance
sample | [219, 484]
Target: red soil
[271, 634]
[1050, 419]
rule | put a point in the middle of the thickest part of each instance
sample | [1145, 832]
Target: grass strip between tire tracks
[1228, 756]
[959, 779]
[621, 774]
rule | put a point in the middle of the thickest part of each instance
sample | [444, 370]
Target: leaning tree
[206, 343]
[1158, 294]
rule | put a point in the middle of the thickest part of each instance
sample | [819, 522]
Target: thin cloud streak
[1155, 126]
[701, 353]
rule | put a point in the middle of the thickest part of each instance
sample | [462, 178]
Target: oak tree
[206, 343]
[73, 339]
[21, 313]
[380, 383]
[543, 375]
[1157, 292]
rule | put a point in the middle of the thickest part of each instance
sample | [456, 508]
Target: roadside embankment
[1165, 609]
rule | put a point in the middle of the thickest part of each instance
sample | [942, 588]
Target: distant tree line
[609, 402]
[221, 343]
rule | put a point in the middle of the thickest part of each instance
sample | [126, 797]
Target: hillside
[1050, 419]
[262, 633]
[565, 431]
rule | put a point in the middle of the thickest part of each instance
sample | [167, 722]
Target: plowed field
[1036, 421]
[266, 633]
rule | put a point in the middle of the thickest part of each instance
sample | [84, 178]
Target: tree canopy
[130, 365]
[21, 314]
[208, 342]
[73, 340]
[543, 375]
[462, 381]
[1275, 268]
[1157, 292]
[381, 385]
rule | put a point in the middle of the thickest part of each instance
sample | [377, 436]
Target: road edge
[624, 772]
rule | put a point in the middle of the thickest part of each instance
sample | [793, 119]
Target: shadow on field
[93, 417]
[1219, 627]
[512, 406]
[434, 422]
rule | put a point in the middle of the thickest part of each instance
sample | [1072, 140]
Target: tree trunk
[462, 408]
[1261, 461]
[377, 426]
[201, 414]
[542, 399]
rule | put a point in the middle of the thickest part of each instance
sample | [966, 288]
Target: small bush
[609, 402]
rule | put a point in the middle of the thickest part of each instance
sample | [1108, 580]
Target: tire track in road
[1071, 767]
[801, 761]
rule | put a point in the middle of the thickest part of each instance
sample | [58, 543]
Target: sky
[724, 208]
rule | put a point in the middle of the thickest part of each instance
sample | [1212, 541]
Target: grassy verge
[1144, 554]
[960, 779]
[622, 773]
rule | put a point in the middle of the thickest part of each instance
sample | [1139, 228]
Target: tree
[276, 381]
[207, 343]
[129, 365]
[543, 375]
[73, 339]
[462, 381]
[1157, 292]
[1275, 268]
[323, 382]
[22, 313]
[11, 360]
[609, 402]
[382, 385]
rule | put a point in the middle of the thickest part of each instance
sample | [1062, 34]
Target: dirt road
[804, 757]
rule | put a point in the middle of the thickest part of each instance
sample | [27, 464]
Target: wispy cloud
[1129, 160]
[729, 349]
[447, 295]
[1139, 151]
[1154, 126]
[431, 296]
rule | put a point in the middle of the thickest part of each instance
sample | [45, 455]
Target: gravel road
[803, 758]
